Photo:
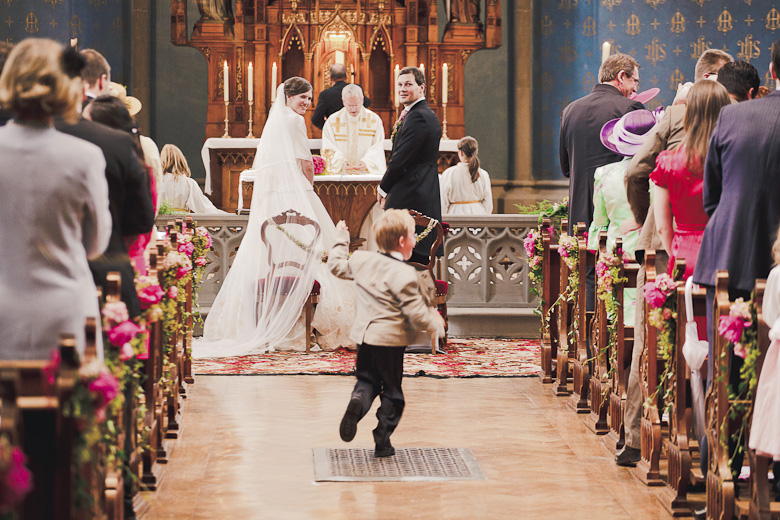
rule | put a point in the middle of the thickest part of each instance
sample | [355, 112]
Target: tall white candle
[250, 83]
[604, 52]
[444, 79]
[352, 70]
[273, 82]
[225, 85]
[397, 71]
[422, 68]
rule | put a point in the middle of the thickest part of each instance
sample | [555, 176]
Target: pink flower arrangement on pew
[102, 387]
[122, 333]
[732, 326]
[569, 250]
[15, 478]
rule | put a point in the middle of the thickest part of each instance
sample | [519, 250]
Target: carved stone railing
[484, 259]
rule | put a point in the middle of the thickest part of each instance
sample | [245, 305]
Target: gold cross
[701, 21]
[337, 124]
[9, 22]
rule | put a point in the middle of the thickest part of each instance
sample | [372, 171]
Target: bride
[247, 319]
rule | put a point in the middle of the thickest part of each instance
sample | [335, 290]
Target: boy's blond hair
[391, 226]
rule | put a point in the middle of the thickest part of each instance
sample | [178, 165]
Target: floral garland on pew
[608, 277]
[740, 328]
[661, 295]
[569, 249]
[15, 478]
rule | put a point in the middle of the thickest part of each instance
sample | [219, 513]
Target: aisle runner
[463, 358]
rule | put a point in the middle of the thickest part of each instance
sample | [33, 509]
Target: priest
[353, 138]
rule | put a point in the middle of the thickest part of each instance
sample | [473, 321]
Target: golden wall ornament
[587, 82]
[75, 26]
[568, 54]
[31, 23]
[698, 47]
[725, 22]
[588, 26]
[748, 48]
[677, 23]
[655, 51]
[610, 4]
[567, 5]
[116, 26]
[773, 20]
[655, 3]
[700, 3]
[675, 79]
[52, 3]
[546, 25]
[239, 74]
[633, 27]
[97, 3]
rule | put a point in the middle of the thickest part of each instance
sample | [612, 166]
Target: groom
[411, 180]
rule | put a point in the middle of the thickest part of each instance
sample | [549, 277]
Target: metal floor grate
[408, 464]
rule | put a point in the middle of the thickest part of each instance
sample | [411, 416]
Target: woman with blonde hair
[178, 189]
[465, 187]
[53, 204]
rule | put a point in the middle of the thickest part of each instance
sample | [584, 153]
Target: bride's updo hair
[35, 83]
[295, 86]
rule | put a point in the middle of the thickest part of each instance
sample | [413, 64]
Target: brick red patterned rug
[472, 357]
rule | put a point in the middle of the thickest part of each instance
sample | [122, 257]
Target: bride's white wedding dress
[247, 319]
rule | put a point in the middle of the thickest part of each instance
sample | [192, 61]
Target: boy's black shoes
[628, 457]
[348, 426]
[385, 450]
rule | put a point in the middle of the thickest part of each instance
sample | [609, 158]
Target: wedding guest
[330, 100]
[740, 79]
[112, 112]
[678, 175]
[394, 300]
[465, 187]
[54, 205]
[5, 50]
[178, 189]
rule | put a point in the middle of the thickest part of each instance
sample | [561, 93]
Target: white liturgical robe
[354, 140]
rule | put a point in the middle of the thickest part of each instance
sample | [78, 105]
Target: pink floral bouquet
[608, 273]
[102, 385]
[732, 326]
[122, 332]
[569, 250]
[659, 295]
[15, 478]
[319, 164]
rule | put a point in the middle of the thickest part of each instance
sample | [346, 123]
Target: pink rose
[100, 414]
[654, 296]
[200, 261]
[173, 292]
[667, 313]
[150, 295]
[123, 333]
[730, 327]
[183, 270]
[740, 350]
[104, 389]
[187, 248]
[18, 478]
[126, 352]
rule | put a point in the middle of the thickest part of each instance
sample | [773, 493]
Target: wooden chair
[282, 284]
[173, 350]
[551, 282]
[566, 347]
[441, 285]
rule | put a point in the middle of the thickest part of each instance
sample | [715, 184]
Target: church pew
[182, 314]
[551, 282]
[582, 321]
[566, 345]
[153, 396]
[171, 365]
[680, 468]
[599, 379]
[622, 353]
[651, 367]
[189, 226]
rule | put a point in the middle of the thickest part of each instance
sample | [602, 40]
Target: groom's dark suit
[412, 177]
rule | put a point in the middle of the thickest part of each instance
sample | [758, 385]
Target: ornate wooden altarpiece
[305, 37]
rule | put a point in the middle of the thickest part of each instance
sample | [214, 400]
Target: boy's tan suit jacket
[394, 299]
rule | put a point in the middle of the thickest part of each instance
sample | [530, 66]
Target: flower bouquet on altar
[319, 165]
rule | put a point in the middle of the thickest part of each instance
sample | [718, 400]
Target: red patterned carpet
[473, 357]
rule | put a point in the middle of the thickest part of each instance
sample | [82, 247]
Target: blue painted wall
[665, 36]
[98, 24]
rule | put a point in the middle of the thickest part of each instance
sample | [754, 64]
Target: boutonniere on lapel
[398, 123]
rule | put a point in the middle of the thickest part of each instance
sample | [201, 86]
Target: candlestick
[444, 84]
[273, 82]
[226, 135]
[250, 84]
[444, 123]
[605, 47]
[352, 70]
[396, 72]
[250, 135]
[225, 85]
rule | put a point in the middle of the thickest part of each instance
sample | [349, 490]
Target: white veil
[274, 269]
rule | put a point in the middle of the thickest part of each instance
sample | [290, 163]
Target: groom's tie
[398, 123]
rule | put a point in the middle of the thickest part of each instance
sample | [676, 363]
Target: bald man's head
[338, 72]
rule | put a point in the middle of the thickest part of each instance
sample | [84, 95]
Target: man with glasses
[581, 151]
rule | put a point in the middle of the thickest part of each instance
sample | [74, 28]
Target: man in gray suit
[580, 148]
